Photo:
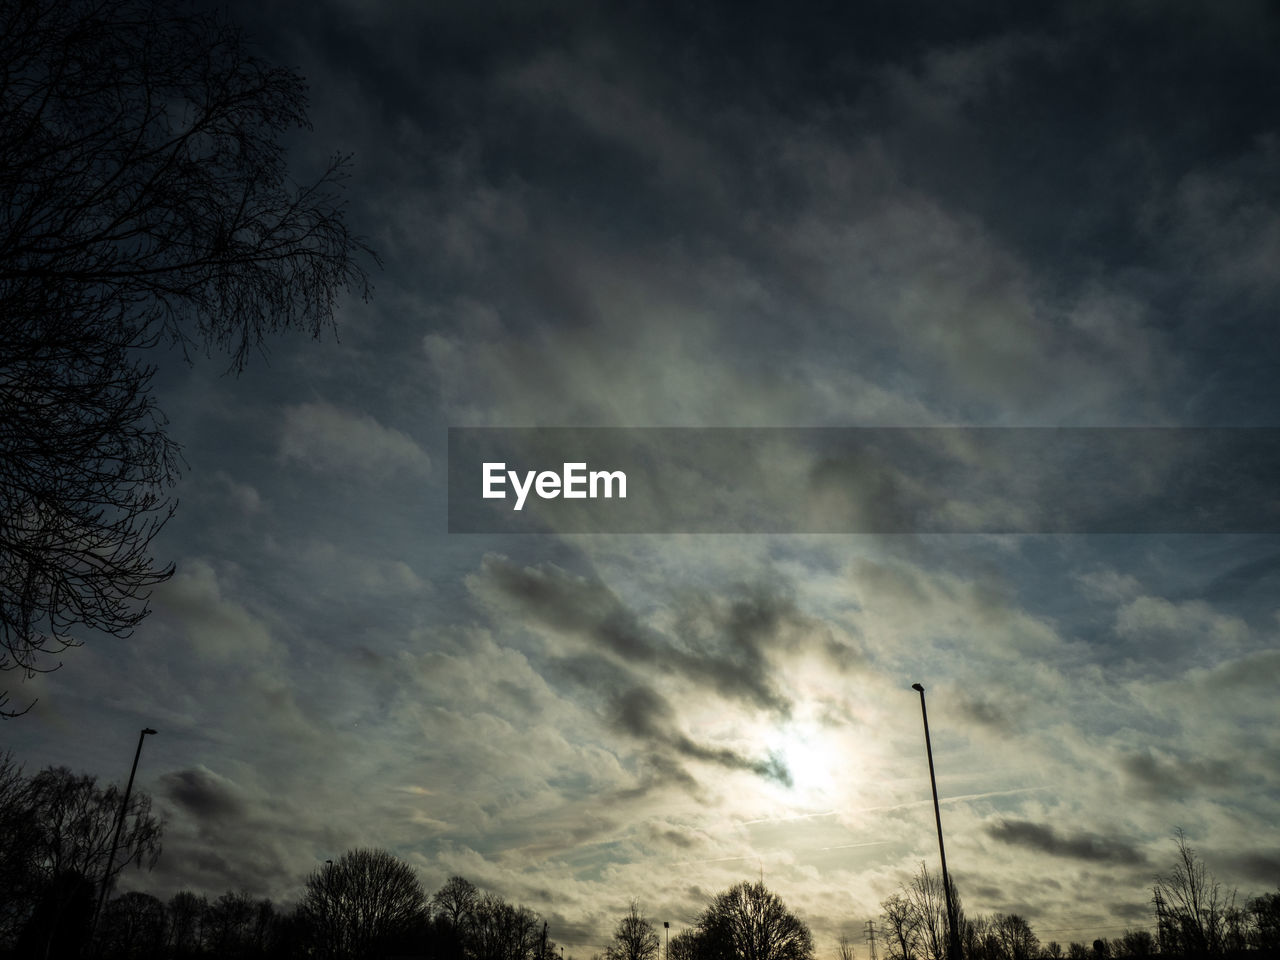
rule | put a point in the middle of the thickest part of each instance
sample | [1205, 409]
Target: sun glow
[811, 757]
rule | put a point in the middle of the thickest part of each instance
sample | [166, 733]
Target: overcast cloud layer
[908, 214]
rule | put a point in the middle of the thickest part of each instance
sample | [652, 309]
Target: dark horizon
[368, 902]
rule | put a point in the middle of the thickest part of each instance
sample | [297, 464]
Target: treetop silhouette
[147, 198]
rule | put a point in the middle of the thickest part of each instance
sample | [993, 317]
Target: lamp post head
[147, 730]
[916, 686]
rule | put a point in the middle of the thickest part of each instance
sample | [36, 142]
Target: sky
[880, 214]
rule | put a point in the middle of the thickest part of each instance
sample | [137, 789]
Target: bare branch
[147, 198]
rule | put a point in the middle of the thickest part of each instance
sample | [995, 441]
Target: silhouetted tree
[902, 928]
[19, 876]
[844, 948]
[634, 938]
[501, 931]
[367, 899]
[63, 830]
[1190, 906]
[263, 936]
[132, 927]
[1265, 928]
[928, 898]
[685, 945]
[455, 901]
[1014, 937]
[185, 916]
[1236, 926]
[236, 926]
[1134, 943]
[76, 820]
[976, 938]
[755, 924]
[58, 927]
[291, 938]
[145, 197]
[917, 925]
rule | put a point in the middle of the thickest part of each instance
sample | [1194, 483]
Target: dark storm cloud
[1080, 845]
[1157, 777]
[243, 861]
[682, 838]
[770, 768]
[985, 712]
[571, 604]
[658, 770]
[643, 713]
[631, 706]
[721, 643]
[203, 794]
[1259, 866]
[732, 634]
[219, 837]
[1067, 131]
[1137, 912]
[989, 892]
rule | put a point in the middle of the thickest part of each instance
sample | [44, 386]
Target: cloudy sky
[888, 214]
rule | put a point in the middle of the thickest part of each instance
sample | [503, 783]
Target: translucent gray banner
[864, 480]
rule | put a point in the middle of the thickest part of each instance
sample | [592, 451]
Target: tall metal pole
[115, 837]
[953, 941]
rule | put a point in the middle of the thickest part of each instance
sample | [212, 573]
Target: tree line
[56, 836]
[1194, 917]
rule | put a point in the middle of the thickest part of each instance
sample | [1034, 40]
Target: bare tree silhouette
[928, 898]
[230, 924]
[1191, 908]
[501, 931]
[365, 899]
[1014, 938]
[634, 938]
[977, 937]
[185, 917]
[456, 901]
[146, 197]
[749, 920]
[1264, 912]
[915, 924]
[902, 928]
[685, 945]
[65, 825]
[19, 874]
[132, 925]
[1134, 943]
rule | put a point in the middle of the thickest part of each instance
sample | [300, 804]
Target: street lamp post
[666, 926]
[953, 943]
[115, 837]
